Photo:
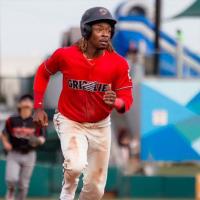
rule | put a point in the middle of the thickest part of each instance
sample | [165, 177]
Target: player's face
[101, 34]
[25, 108]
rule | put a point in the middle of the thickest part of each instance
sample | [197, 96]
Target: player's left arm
[42, 136]
[39, 138]
[122, 86]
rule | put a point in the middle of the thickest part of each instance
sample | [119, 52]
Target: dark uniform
[21, 159]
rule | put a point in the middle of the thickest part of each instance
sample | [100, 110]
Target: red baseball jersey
[85, 82]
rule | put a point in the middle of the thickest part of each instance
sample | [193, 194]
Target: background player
[20, 137]
[95, 80]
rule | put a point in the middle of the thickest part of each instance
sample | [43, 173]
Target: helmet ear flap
[87, 30]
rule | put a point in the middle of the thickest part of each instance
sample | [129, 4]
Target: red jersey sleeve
[53, 63]
[45, 70]
[123, 84]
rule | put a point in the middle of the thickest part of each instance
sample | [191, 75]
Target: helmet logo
[103, 11]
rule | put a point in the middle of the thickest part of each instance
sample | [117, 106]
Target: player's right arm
[5, 136]
[42, 77]
[6, 144]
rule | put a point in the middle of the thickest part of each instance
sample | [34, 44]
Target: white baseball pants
[86, 149]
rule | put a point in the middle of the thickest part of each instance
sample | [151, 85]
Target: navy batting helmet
[95, 15]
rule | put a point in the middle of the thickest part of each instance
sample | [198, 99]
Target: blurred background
[156, 146]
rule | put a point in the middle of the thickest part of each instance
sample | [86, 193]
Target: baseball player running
[95, 80]
[20, 137]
